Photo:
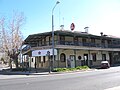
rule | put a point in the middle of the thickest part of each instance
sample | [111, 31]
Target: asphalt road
[89, 80]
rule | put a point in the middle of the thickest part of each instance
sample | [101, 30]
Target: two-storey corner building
[71, 49]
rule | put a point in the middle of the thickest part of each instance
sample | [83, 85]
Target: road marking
[114, 88]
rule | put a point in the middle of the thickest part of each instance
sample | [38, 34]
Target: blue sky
[98, 15]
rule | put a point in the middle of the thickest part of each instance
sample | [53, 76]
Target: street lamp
[53, 32]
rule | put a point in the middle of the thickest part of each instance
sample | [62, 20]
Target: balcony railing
[86, 44]
[79, 44]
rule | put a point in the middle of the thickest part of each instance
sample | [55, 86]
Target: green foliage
[71, 69]
[82, 67]
[85, 67]
[60, 69]
[2, 59]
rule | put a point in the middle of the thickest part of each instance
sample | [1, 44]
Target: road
[102, 79]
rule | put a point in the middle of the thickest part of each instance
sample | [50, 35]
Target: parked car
[105, 64]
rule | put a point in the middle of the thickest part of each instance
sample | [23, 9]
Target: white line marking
[114, 88]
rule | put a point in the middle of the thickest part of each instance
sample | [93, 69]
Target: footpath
[6, 73]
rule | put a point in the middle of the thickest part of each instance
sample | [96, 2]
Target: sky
[98, 15]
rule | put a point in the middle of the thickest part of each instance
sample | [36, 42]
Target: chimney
[86, 29]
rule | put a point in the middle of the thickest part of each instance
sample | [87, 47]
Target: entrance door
[72, 61]
[86, 59]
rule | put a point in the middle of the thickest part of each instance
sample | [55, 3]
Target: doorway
[72, 61]
[86, 59]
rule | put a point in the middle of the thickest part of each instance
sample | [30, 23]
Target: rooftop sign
[72, 26]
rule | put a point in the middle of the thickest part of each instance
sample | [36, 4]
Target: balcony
[85, 44]
[78, 44]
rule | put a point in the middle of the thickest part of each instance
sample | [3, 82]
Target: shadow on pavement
[31, 72]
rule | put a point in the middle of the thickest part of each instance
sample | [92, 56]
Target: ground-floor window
[62, 57]
[104, 57]
[94, 57]
[39, 59]
[32, 59]
[44, 59]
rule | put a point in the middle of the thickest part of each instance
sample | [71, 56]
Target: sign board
[72, 26]
[44, 52]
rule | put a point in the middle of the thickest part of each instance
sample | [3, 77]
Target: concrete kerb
[38, 73]
[11, 75]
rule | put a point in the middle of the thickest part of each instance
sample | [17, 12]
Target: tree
[12, 37]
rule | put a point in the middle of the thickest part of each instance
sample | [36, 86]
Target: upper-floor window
[76, 39]
[62, 38]
[109, 42]
[42, 41]
[92, 40]
[50, 41]
[84, 40]
[103, 41]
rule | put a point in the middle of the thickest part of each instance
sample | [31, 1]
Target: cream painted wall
[82, 52]
[78, 53]
[68, 38]
[66, 52]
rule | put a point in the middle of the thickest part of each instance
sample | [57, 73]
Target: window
[39, 59]
[92, 40]
[94, 57]
[79, 57]
[62, 40]
[32, 59]
[62, 57]
[44, 40]
[109, 42]
[103, 41]
[50, 41]
[84, 40]
[76, 40]
[43, 59]
[104, 57]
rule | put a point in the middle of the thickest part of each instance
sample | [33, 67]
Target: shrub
[60, 69]
[79, 67]
[85, 67]
[71, 69]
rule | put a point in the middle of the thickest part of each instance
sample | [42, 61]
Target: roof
[35, 37]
